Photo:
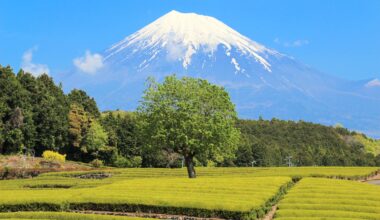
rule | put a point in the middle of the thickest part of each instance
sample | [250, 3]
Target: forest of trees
[36, 115]
[268, 143]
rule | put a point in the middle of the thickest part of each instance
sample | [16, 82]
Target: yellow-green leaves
[316, 198]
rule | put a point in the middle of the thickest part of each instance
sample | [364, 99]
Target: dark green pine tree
[50, 116]
[122, 132]
[15, 102]
[80, 98]
[29, 83]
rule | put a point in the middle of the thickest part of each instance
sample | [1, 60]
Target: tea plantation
[232, 193]
[316, 198]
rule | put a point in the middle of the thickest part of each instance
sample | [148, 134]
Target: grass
[317, 198]
[62, 216]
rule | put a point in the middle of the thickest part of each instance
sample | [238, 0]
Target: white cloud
[373, 83]
[89, 63]
[175, 51]
[28, 66]
[296, 43]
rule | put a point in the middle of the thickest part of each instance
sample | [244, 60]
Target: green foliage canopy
[191, 117]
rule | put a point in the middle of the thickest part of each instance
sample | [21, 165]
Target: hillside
[270, 142]
[370, 145]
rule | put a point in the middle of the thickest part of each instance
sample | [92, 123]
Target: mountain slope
[261, 81]
[180, 36]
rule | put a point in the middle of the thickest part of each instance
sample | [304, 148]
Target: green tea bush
[63, 216]
[234, 193]
[318, 198]
[123, 162]
[232, 198]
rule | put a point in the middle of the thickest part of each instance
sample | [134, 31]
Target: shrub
[54, 156]
[96, 163]
[121, 162]
[125, 162]
[136, 161]
[107, 154]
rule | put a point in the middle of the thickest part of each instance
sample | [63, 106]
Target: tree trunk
[190, 166]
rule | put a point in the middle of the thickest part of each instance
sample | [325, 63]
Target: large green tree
[191, 117]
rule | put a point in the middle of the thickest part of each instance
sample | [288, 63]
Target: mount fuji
[261, 81]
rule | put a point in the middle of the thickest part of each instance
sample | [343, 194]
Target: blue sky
[341, 38]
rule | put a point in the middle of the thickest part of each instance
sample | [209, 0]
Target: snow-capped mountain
[261, 81]
[179, 36]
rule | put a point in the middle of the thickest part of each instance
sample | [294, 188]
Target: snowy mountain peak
[184, 34]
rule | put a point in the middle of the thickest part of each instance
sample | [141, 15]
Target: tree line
[165, 131]
[271, 142]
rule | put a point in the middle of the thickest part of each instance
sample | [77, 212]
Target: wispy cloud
[295, 43]
[89, 63]
[175, 51]
[373, 83]
[28, 66]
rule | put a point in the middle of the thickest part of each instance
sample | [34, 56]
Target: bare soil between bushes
[270, 214]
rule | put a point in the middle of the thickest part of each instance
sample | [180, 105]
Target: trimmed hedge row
[32, 207]
[322, 198]
[205, 213]
[129, 208]
[63, 216]
[342, 177]
[124, 207]
[349, 172]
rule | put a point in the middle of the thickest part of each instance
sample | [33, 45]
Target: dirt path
[270, 214]
[374, 182]
[147, 215]
[371, 178]
[376, 177]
